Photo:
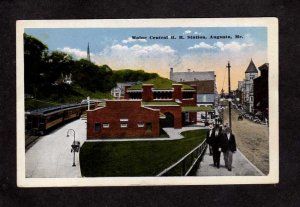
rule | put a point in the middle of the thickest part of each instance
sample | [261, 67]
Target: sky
[117, 48]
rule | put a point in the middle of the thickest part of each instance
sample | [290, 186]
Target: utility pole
[229, 94]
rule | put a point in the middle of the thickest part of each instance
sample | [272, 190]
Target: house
[118, 92]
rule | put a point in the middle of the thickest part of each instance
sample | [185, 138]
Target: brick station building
[146, 109]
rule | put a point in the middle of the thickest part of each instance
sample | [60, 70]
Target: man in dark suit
[228, 147]
[216, 141]
[209, 138]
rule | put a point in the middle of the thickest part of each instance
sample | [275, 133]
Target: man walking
[228, 146]
[216, 141]
[209, 138]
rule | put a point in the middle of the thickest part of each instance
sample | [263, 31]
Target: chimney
[171, 73]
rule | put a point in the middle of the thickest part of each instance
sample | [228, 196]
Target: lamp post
[229, 94]
[75, 146]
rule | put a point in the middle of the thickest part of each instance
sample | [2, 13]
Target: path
[241, 166]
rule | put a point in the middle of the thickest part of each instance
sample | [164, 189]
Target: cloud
[232, 46]
[139, 50]
[201, 45]
[153, 58]
[130, 39]
[187, 32]
[197, 33]
[77, 53]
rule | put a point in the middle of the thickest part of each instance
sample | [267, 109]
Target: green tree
[58, 64]
[35, 53]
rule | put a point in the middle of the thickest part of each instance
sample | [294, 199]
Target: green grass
[196, 108]
[159, 83]
[76, 97]
[160, 103]
[31, 104]
[143, 158]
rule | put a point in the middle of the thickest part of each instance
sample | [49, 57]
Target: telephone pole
[229, 94]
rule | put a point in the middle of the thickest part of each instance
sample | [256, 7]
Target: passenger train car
[40, 121]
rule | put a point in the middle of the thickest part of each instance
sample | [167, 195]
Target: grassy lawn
[143, 158]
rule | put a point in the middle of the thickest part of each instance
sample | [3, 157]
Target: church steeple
[88, 53]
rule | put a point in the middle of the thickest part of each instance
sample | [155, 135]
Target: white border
[273, 176]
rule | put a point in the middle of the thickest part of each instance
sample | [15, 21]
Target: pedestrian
[228, 147]
[224, 128]
[216, 141]
[209, 138]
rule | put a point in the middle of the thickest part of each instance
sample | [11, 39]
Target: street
[252, 140]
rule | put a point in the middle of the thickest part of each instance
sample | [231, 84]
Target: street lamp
[75, 145]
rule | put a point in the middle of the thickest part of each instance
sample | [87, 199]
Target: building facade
[172, 99]
[122, 119]
[205, 85]
[261, 92]
[248, 94]
[146, 109]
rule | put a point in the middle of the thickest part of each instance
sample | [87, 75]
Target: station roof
[160, 83]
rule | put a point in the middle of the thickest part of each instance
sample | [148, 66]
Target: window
[187, 117]
[105, 125]
[141, 125]
[149, 127]
[123, 125]
[97, 127]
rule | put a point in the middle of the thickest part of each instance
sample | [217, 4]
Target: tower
[171, 73]
[88, 53]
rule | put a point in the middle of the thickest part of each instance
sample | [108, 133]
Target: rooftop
[193, 76]
[251, 68]
[160, 83]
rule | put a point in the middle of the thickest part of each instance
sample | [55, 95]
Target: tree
[34, 54]
[58, 64]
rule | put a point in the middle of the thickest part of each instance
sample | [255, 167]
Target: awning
[197, 108]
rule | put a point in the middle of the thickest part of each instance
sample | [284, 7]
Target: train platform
[51, 156]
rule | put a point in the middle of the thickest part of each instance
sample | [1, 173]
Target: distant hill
[56, 77]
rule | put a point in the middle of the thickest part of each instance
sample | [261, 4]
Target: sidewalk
[241, 166]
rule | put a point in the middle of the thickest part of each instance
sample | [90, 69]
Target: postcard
[138, 102]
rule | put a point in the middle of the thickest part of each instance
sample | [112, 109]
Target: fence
[186, 164]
